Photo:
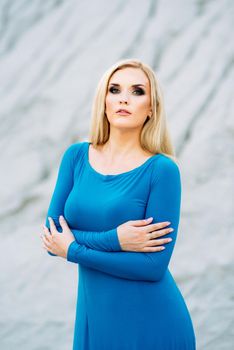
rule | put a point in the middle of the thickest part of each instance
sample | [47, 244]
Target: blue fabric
[126, 300]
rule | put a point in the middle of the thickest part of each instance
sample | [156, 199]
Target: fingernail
[61, 217]
[150, 218]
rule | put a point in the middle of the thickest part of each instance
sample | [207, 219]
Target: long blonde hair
[155, 136]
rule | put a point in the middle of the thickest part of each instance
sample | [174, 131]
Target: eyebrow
[135, 85]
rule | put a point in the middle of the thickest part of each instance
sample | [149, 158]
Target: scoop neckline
[115, 175]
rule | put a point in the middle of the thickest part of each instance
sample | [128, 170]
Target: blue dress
[126, 300]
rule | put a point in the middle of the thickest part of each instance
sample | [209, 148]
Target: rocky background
[52, 55]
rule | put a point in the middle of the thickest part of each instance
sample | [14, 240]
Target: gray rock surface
[52, 56]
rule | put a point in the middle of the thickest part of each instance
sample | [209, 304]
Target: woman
[115, 211]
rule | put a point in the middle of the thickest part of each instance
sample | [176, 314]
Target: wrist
[67, 248]
[119, 237]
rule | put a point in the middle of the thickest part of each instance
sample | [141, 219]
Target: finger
[44, 247]
[42, 236]
[63, 222]
[47, 238]
[47, 233]
[161, 232]
[160, 225]
[45, 228]
[153, 249]
[157, 226]
[141, 222]
[45, 244]
[52, 225]
[155, 242]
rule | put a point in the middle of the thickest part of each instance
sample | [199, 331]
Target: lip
[123, 112]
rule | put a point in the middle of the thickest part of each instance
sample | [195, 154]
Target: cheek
[110, 101]
[142, 105]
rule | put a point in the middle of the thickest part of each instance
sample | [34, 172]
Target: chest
[95, 203]
[105, 165]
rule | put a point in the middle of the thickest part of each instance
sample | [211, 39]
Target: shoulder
[165, 162]
[165, 168]
[73, 150]
[74, 147]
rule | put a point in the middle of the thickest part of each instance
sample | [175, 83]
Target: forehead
[129, 75]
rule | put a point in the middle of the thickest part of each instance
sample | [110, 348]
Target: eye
[112, 90]
[139, 91]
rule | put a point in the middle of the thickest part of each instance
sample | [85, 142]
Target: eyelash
[141, 92]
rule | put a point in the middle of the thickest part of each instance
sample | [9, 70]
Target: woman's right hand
[138, 235]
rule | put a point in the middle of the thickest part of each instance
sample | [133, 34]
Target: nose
[123, 97]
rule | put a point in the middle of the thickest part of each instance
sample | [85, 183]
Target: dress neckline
[87, 143]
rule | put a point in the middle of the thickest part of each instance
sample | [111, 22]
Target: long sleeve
[163, 205]
[98, 240]
[103, 240]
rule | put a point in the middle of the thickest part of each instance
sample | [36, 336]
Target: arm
[102, 240]
[105, 240]
[164, 204]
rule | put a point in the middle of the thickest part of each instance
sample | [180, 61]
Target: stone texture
[52, 56]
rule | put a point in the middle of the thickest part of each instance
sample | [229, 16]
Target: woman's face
[128, 89]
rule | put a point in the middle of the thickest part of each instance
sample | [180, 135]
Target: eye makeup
[138, 90]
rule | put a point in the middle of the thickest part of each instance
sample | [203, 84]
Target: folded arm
[164, 205]
[101, 250]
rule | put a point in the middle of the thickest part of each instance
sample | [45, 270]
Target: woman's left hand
[57, 242]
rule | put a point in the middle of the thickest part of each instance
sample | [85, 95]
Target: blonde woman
[115, 211]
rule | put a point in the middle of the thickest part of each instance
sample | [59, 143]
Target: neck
[121, 144]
